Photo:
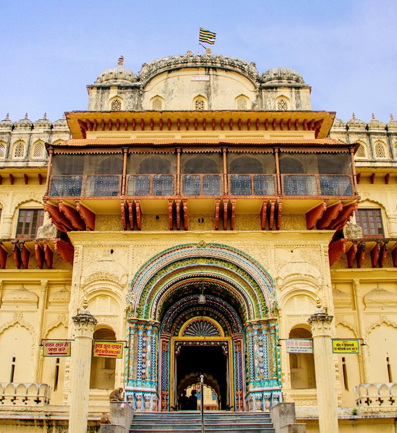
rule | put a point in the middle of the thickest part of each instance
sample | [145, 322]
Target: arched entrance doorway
[173, 336]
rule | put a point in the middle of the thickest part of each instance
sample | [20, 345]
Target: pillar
[320, 322]
[141, 380]
[84, 324]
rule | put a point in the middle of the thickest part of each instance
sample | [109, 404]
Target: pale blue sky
[345, 49]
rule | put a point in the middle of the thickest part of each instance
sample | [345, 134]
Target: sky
[346, 50]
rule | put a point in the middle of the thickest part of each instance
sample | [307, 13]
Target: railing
[202, 184]
[376, 395]
[317, 184]
[165, 185]
[27, 394]
[151, 184]
[252, 184]
[85, 186]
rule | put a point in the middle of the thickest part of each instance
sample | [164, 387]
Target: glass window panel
[201, 163]
[251, 163]
[151, 164]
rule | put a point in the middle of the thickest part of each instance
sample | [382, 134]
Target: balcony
[85, 186]
[376, 397]
[24, 394]
[201, 185]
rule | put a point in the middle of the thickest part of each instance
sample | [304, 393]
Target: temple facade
[204, 216]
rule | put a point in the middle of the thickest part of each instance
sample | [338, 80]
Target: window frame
[379, 231]
[36, 220]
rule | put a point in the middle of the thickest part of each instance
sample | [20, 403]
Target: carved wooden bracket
[65, 249]
[330, 214]
[39, 254]
[335, 250]
[86, 215]
[314, 215]
[73, 216]
[58, 219]
[3, 257]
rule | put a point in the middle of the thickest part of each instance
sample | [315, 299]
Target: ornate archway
[241, 305]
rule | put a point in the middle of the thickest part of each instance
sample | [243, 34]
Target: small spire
[45, 116]
[8, 116]
[85, 302]
[354, 116]
[208, 50]
[64, 116]
[26, 116]
[391, 117]
[373, 116]
[121, 60]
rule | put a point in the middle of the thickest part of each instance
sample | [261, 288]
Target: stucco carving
[105, 270]
[341, 299]
[383, 320]
[60, 320]
[342, 320]
[294, 272]
[47, 231]
[380, 298]
[20, 296]
[60, 297]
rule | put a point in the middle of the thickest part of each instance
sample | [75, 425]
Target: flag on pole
[207, 37]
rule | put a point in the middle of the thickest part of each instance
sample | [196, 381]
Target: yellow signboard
[57, 348]
[108, 349]
[339, 345]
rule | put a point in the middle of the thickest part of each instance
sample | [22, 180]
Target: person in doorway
[193, 401]
[183, 401]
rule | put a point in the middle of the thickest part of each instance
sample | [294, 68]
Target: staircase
[215, 422]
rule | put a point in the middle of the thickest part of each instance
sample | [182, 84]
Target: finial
[8, 116]
[64, 116]
[373, 116]
[208, 50]
[318, 303]
[391, 117]
[45, 116]
[121, 60]
[188, 52]
[26, 116]
[85, 302]
[354, 116]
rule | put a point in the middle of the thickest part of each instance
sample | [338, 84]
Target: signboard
[345, 346]
[57, 348]
[299, 345]
[108, 349]
[200, 78]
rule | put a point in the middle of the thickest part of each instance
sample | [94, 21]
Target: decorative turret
[24, 123]
[6, 124]
[376, 125]
[356, 124]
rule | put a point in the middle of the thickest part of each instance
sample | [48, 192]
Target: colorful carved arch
[239, 273]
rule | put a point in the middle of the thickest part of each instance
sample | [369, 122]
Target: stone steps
[215, 422]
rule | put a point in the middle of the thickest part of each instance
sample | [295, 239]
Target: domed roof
[354, 123]
[24, 123]
[392, 124]
[6, 123]
[43, 123]
[189, 60]
[338, 124]
[117, 76]
[376, 124]
[61, 123]
[277, 76]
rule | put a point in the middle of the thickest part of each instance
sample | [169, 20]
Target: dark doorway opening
[191, 362]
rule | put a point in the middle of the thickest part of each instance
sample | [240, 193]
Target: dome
[61, 123]
[43, 123]
[391, 124]
[24, 123]
[338, 124]
[6, 123]
[354, 123]
[376, 124]
[277, 76]
[117, 75]
[189, 60]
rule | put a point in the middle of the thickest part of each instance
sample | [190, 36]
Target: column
[320, 322]
[84, 324]
[37, 359]
[141, 383]
[361, 331]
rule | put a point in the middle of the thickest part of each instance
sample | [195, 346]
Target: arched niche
[103, 370]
